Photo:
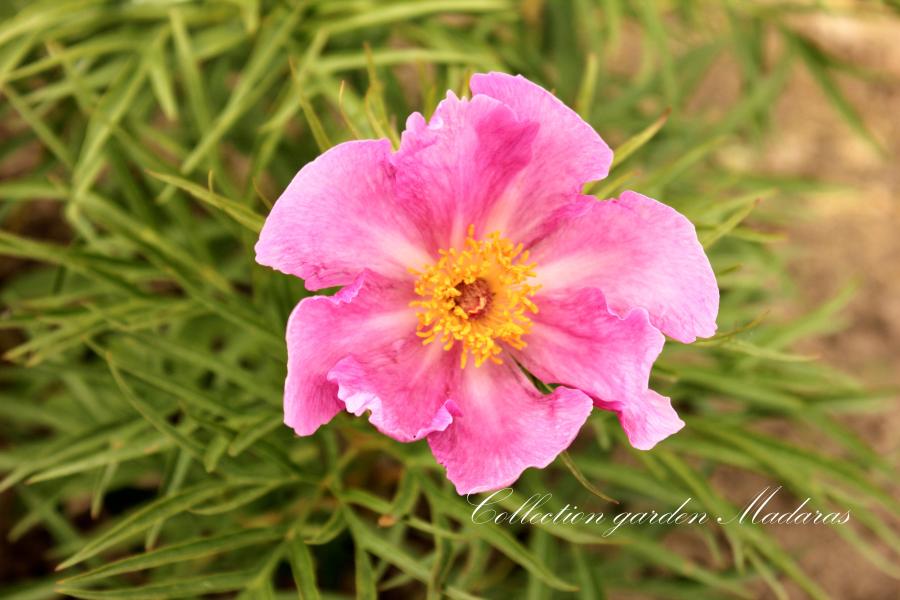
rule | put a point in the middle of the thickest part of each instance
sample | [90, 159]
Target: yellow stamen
[478, 296]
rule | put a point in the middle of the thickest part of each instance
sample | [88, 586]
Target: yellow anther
[477, 296]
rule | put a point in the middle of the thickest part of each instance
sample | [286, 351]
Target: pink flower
[466, 253]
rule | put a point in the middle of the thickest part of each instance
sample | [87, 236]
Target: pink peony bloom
[471, 251]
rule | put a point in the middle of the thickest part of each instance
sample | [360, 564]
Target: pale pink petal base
[340, 215]
[565, 154]
[504, 426]
[640, 253]
[458, 165]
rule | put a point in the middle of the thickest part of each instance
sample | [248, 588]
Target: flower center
[478, 296]
[474, 298]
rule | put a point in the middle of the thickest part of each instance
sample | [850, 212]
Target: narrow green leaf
[174, 587]
[180, 553]
[214, 452]
[315, 125]
[576, 472]
[588, 88]
[365, 576]
[728, 225]
[40, 128]
[153, 416]
[236, 211]
[242, 498]
[333, 527]
[303, 569]
[589, 586]
[69, 447]
[500, 539]
[264, 61]
[393, 554]
[161, 80]
[101, 485]
[624, 151]
[143, 518]
[817, 67]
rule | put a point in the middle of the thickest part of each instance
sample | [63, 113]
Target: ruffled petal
[639, 253]
[566, 154]
[649, 421]
[340, 215]
[322, 330]
[405, 385]
[457, 165]
[575, 341]
[503, 426]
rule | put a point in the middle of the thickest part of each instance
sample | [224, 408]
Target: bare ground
[850, 235]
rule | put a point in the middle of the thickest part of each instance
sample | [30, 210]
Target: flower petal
[339, 216]
[640, 253]
[566, 154]
[324, 329]
[459, 163]
[575, 341]
[503, 426]
[406, 386]
[649, 421]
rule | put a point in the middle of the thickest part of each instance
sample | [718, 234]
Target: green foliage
[151, 356]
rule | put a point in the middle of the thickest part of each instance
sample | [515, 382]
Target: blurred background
[141, 142]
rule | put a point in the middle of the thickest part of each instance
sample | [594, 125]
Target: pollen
[477, 295]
